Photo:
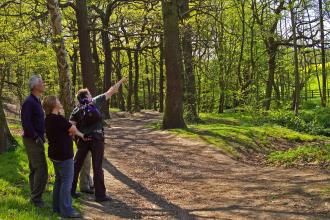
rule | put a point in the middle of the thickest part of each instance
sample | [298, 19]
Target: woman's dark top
[60, 142]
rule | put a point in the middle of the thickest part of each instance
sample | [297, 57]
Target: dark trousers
[96, 146]
[38, 168]
[62, 201]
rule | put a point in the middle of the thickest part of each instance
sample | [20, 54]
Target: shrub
[301, 155]
[313, 122]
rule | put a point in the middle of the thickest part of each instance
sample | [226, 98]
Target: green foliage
[310, 121]
[301, 155]
[14, 188]
[238, 134]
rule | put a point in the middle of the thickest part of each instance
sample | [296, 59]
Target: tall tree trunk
[161, 75]
[296, 94]
[173, 116]
[271, 50]
[7, 141]
[240, 83]
[191, 108]
[96, 62]
[324, 74]
[121, 100]
[254, 75]
[85, 46]
[61, 55]
[144, 95]
[154, 94]
[136, 80]
[107, 68]
[148, 82]
[130, 81]
[190, 82]
[74, 61]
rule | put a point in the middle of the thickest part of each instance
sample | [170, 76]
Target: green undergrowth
[304, 155]
[240, 134]
[14, 187]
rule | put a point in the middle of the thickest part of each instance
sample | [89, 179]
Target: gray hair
[34, 80]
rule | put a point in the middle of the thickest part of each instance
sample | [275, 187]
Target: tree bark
[6, 139]
[74, 61]
[271, 50]
[136, 81]
[85, 46]
[107, 69]
[121, 100]
[190, 91]
[96, 62]
[61, 55]
[296, 94]
[154, 93]
[148, 83]
[324, 74]
[173, 116]
[161, 75]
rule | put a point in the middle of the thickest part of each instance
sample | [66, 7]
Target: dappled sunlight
[160, 174]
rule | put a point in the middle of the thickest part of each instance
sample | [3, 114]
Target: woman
[59, 131]
[88, 118]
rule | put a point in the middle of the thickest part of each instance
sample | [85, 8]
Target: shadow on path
[115, 207]
[172, 209]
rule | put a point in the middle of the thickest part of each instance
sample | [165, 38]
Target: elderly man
[32, 116]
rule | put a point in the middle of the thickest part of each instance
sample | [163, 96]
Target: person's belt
[98, 132]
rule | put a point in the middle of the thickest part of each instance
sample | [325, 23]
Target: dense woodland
[181, 57]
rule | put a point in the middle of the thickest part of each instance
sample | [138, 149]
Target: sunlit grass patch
[14, 187]
[238, 134]
[302, 155]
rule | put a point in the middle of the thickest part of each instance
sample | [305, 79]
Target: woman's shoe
[103, 199]
[74, 214]
[75, 195]
[88, 191]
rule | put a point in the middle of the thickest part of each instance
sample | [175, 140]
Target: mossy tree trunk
[190, 82]
[6, 139]
[173, 115]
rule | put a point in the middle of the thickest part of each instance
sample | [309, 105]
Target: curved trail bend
[154, 174]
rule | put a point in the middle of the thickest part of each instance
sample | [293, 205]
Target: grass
[301, 156]
[237, 135]
[14, 187]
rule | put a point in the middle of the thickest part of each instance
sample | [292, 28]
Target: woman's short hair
[49, 103]
[82, 94]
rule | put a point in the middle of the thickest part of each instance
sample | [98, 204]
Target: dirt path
[157, 175]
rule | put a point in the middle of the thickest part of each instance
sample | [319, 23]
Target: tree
[61, 55]
[269, 27]
[161, 74]
[296, 94]
[6, 139]
[187, 48]
[87, 68]
[324, 73]
[173, 115]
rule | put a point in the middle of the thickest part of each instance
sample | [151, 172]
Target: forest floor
[155, 174]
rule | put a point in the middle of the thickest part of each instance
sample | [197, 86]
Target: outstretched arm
[114, 89]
